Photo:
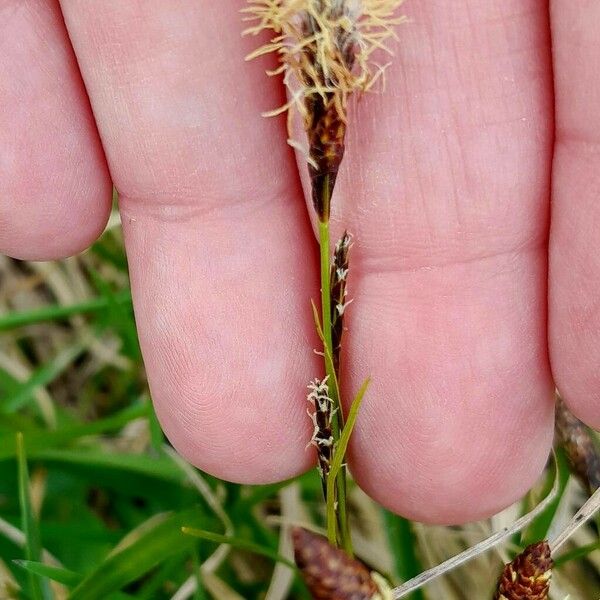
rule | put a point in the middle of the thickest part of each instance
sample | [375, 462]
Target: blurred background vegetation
[92, 497]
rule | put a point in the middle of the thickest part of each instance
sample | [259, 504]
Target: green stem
[325, 291]
[342, 538]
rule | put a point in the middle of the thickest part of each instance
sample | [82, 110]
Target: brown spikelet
[326, 135]
[527, 577]
[579, 447]
[328, 571]
[338, 279]
[322, 438]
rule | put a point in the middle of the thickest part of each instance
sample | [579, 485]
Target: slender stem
[342, 537]
[325, 291]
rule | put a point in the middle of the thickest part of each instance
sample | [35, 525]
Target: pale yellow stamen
[324, 46]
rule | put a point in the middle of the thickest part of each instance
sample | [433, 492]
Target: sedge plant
[325, 48]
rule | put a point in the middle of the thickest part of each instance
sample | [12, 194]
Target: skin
[469, 301]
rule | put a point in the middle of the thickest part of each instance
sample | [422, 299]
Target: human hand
[446, 185]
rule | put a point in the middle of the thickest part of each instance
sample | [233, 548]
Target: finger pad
[575, 279]
[55, 187]
[459, 421]
[228, 359]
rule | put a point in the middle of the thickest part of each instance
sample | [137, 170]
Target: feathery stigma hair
[325, 44]
[324, 49]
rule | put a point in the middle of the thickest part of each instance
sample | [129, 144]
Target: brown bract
[527, 577]
[329, 573]
[326, 134]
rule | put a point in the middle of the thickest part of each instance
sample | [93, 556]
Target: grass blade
[238, 543]
[583, 515]
[39, 440]
[151, 546]
[54, 313]
[460, 559]
[158, 467]
[339, 455]
[540, 526]
[577, 553]
[44, 375]
[58, 574]
[402, 543]
[40, 589]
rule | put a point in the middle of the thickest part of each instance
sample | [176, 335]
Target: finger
[55, 189]
[216, 231]
[574, 319]
[445, 186]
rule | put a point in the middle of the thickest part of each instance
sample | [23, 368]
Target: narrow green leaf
[44, 375]
[576, 554]
[41, 439]
[402, 543]
[238, 543]
[540, 526]
[152, 545]
[56, 312]
[339, 454]
[33, 545]
[61, 575]
[58, 574]
[157, 467]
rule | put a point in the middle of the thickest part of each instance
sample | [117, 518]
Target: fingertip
[224, 351]
[575, 368]
[50, 226]
[54, 181]
[239, 449]
[455, 483]
[574, 280]
[574, 328]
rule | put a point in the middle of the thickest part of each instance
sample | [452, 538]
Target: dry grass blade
[17, 537]
[583, 515]
[219, 589]
[214, 561]
[292, 510]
